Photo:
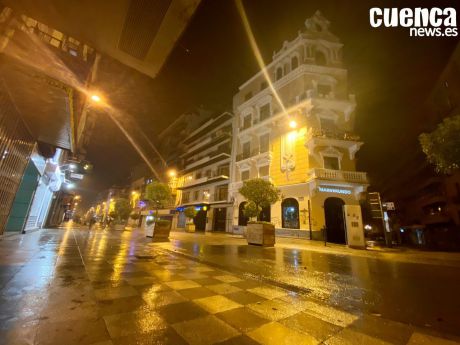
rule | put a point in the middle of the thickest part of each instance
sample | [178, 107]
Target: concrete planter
[189, 227]
[261, 234]
[161, 232]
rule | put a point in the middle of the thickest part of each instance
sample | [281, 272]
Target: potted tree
[190, 213]
[159, 196]
[135, 216]
[121, 212]
[259, 193]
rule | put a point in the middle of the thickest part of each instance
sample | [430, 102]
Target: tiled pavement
[79, 287]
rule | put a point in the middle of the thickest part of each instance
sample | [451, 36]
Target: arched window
[294, 63]
[290, 213]
[279, 73]
[242, 219]
[320, 58]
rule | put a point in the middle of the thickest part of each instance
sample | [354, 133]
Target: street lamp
[172, 173]
[96, 98]
[293, 124]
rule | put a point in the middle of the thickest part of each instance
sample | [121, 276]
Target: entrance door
[333, 212]
[242, 219]
[200, 220]
[220, 215]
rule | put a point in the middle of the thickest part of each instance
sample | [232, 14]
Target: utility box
[354, 226]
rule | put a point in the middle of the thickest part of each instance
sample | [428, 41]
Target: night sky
[390, 73]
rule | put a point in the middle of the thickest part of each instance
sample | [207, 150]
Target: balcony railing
[332, 134]
[253, 153]
[338, 175]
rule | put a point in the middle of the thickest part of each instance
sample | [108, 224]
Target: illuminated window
[245, 175]
[206, 195]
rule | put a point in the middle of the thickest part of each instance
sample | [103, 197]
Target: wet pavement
[417, 288]
[74, 286]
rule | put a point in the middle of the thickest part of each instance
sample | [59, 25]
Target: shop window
[290, 213]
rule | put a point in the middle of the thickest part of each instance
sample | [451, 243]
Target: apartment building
[295, 128]
[203, 182]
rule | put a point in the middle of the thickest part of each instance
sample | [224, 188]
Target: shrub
[190, 212]
[260, 192]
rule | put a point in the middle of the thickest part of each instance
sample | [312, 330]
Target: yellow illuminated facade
[305, 145]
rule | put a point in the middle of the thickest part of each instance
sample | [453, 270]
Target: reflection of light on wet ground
[121, 258]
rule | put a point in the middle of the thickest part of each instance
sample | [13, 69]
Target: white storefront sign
[334, 190]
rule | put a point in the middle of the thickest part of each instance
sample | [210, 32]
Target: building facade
[204, 179]
[293, 126]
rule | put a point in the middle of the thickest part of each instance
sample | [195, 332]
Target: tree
[442, 146]
[190, 212]
[159, 195]
[122, 209]
[251, 210]
[261, 193]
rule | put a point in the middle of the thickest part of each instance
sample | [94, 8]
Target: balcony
[214, 139]
[252, 154]
[338, 175]
[322, 137]
[215, 177]
[436, 218]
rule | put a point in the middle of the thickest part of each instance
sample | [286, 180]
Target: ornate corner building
[295, 129]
